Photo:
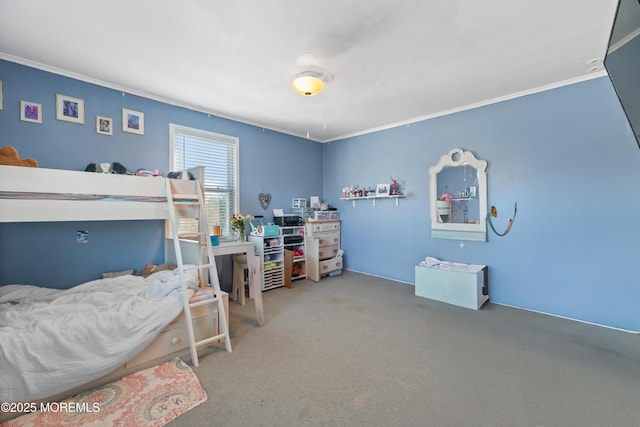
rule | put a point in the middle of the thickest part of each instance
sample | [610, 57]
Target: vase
[240, 237]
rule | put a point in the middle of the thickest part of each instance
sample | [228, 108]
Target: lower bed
[58, 342]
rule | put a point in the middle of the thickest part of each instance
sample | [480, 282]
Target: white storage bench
[464, 285]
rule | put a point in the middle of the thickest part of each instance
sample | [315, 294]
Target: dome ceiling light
[310, 78]
[308, 83]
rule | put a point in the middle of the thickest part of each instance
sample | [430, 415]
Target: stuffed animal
[114, 167]
[186, 175]
[149, 269]
[146, 172]
[9, 156]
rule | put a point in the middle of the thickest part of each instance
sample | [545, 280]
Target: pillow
[111, 275]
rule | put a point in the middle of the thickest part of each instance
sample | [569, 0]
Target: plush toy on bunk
[186, 175]
[9, 156]
[115, 167]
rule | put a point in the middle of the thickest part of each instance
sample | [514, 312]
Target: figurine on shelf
[395, 188]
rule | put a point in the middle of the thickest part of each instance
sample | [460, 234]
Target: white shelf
[373, 198]
[299, 261]
[272, 260]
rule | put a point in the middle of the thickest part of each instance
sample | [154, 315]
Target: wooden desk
[248, 248]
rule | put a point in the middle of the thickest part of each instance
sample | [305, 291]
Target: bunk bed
[39, 194]
[45, 365]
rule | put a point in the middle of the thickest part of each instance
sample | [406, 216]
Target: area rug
[152, 397]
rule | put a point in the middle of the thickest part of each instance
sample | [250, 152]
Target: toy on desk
[254, 229]
[268, 230]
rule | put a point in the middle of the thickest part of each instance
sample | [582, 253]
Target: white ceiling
[393, 61]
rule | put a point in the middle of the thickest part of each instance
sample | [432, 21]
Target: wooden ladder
[191, 205]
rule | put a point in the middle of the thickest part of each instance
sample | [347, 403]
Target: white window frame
[227, 142]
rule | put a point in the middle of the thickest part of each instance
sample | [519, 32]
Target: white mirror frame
[459, 231]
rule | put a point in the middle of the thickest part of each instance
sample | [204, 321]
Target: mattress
[54, 340]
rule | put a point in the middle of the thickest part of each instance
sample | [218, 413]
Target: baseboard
[381, 277]
[518, 307]
[567, 318]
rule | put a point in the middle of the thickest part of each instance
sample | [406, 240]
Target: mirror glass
[623, 61]
[458, 197]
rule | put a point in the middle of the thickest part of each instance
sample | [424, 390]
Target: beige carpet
[152, 397]
[357, 350]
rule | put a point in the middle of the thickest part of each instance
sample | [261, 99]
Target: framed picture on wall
[132, 121]
[69, 109]
[104, 125]
[382, 190]
[30, 112]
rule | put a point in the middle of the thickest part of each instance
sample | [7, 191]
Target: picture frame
[382, 190]
[30, 112]
[69, 109]
[132, 121]
[104, 125]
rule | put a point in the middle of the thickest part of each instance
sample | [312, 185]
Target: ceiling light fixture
[308, 83]
[309, 77]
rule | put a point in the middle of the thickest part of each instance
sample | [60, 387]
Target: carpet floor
[357, 350]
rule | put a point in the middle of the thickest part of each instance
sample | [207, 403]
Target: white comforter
[54, 340]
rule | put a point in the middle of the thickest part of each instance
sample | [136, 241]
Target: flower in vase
[238, 221]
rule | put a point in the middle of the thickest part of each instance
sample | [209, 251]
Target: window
[219, 155]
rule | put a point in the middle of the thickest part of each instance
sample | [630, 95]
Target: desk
[191, 253]
[231, 248]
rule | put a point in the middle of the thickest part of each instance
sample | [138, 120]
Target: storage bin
[326, 215]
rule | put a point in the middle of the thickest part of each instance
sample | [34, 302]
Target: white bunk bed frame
[51, 195]
[109, 197]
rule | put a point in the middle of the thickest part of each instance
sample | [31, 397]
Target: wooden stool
[239, 267]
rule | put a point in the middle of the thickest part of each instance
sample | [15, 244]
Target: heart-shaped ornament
[265, 200]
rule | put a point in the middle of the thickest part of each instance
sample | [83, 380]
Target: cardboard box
[288, 267]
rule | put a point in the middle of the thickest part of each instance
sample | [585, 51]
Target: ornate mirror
[458, 197]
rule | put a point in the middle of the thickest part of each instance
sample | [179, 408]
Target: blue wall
[566, 156]
[47, 254]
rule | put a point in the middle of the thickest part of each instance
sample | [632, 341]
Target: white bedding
[54, 340]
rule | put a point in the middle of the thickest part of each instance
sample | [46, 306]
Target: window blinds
[219, 155]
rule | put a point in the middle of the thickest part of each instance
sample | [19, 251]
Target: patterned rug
[152, 397]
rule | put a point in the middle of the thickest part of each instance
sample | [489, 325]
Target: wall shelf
[373, 198]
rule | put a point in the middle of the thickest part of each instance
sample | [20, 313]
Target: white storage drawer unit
[322, 244]
[329, 265]
[464, 285]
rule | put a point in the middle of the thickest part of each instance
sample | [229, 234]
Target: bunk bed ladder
[191, 205]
